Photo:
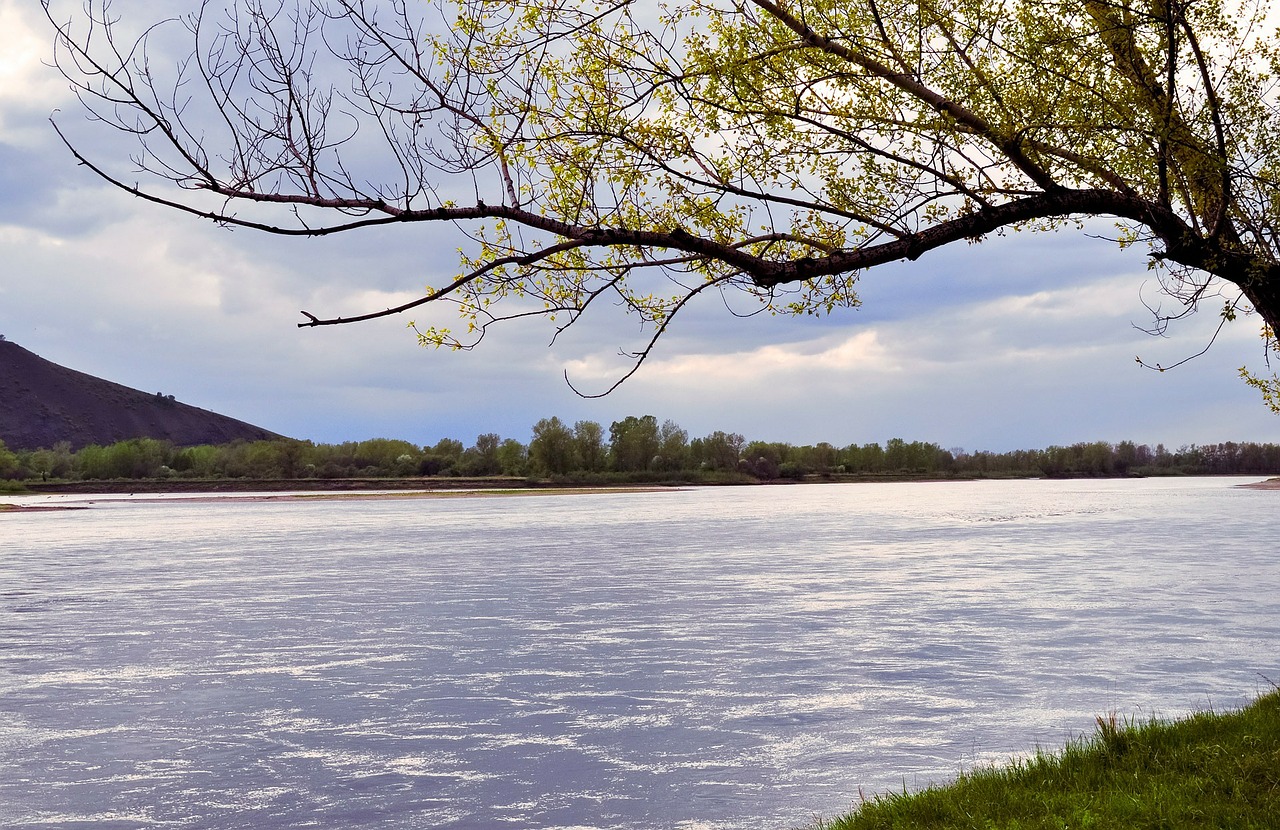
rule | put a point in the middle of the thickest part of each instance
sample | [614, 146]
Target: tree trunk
[1262, 287]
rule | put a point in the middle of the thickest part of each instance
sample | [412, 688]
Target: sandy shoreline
[358, 495]
[90, 499]
[6, 507]
[85, 500]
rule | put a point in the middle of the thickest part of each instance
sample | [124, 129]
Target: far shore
[269, 485]
[334, 495]
[431, 486]
[38, 508]
[188, 490]
[374, 491]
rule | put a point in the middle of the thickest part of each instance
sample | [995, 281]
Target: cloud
[1018, 370]
[1035, 349]
[161, 302]
[860, 351]
[28, 90]
[1025, 340]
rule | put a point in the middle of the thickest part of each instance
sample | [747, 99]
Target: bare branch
[775, 148]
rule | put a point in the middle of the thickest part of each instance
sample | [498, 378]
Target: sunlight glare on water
[706, 658]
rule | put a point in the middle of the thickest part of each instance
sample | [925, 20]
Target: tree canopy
[555, 453]
[646, 153]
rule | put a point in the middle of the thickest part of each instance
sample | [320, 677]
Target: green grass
[1209, 770]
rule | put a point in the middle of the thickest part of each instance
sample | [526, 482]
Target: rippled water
[730, 657]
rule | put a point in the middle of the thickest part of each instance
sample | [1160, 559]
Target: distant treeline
[633, 449]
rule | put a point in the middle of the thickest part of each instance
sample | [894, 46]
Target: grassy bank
[1209, 770]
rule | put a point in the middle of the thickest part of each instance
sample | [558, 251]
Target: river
[695, 659]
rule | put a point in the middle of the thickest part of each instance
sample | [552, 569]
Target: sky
[1023, 341]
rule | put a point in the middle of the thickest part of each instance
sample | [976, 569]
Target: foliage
[649, 153]
[589, 446]
[134, 458]
[718, 451]
[638, 450]
[1208, 770]
[513, 457]
[673, 447]
[1269, 387]
[634, 443]
[482, 459]
[8, 462]
[551, 449]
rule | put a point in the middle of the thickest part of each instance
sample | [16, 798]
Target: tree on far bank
[482, 458]
[820, 457]
[589, 447]
[673, 446]
[634, 443]
[648, 154]
[551, 448]
[8, 462]
[513, 458]
[718, 451]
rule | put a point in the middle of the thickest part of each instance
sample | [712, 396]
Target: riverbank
[1207, 770]
[37, 508]
[486, 483]
[336, 495]
[170, 490]
[270, 485]
[436, 485]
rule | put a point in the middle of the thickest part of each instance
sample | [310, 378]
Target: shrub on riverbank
[582, 455]
[1208, 770]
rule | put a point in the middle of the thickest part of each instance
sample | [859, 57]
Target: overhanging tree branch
[775, 148]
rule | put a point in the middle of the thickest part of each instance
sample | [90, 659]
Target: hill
[42, 403]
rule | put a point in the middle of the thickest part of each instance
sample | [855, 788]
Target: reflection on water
[732, 657]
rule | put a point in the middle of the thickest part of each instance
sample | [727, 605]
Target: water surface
[721, 657]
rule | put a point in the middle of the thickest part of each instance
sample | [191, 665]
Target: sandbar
[38, 508]
[329, 495]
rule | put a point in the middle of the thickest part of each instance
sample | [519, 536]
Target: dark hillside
[42, 403]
